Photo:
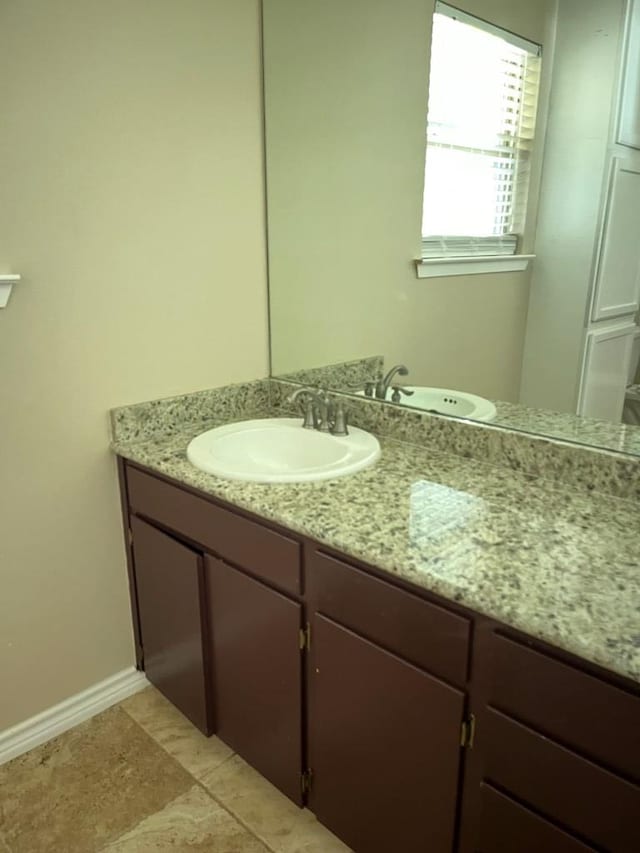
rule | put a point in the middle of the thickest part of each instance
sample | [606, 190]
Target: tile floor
[139, 778]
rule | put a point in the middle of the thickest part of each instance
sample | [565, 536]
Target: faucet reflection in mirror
[381, 387]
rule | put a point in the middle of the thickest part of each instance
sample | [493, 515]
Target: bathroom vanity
[343, 639]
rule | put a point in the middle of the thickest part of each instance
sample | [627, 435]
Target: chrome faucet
[382, 385]
[319, 412]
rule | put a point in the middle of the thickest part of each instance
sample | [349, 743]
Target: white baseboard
[52, 722]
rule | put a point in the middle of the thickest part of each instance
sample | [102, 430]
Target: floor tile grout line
[264, 845]
[236, 817]
[147, 734]
[200, 784]
[165, 749]
[223, 762]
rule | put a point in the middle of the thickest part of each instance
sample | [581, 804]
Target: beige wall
[346, 94]
[132, 204]
[525, 17]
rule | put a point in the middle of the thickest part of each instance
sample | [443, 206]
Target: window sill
[472, 265]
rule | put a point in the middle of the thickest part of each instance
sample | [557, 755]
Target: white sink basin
[279, 450]
[444, 401]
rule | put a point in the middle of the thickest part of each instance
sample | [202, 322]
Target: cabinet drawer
[506, 826]
[417, 630]
[560, 785]
[585, 713]
[261, 551]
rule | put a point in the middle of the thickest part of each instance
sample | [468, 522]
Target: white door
[617, 279]
[605, 372]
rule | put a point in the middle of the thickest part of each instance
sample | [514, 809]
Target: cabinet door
[617, 281]
[605, 372]
[384, 740]
[257, 674]
[629, 108]
[170, 592]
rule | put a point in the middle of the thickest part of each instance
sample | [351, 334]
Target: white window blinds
[483, 98]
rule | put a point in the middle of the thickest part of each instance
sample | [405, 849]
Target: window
[483, 97]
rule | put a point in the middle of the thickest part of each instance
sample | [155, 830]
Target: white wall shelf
[6, 284]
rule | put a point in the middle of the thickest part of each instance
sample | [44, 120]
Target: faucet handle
[398, 390]
[310, 419]
[299, 394]
[340, 420]
[324, 409]
[318, 409]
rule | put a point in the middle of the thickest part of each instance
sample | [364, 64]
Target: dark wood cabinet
[228, 593]
[257, 673]
[266, 553]
[170, 594]
[419, 631]
[404, 721]
[564, 787]
[506, 826]
[384, 745]
[556, 755]
[595, 718]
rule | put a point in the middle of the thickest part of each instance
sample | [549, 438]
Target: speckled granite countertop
[623, 438]
[555, 563]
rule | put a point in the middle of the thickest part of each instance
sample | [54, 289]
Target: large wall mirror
[527, 318]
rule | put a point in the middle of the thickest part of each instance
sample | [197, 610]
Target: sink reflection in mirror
[442, 401]
[361, 377]
[552, 343]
